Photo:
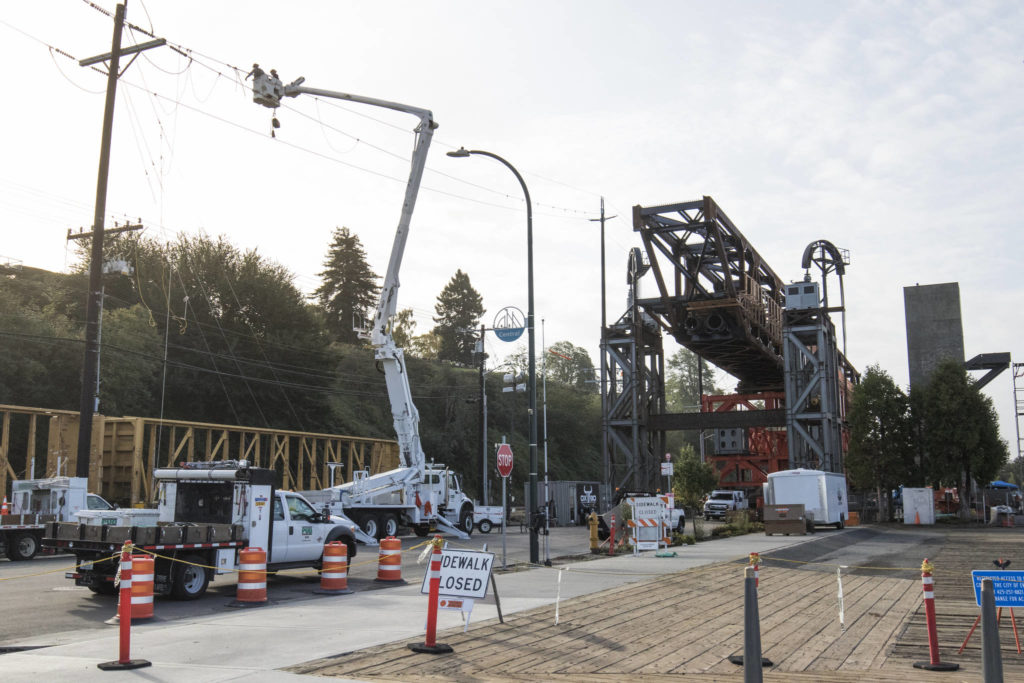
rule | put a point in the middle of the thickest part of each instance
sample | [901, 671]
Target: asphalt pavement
[255, 643]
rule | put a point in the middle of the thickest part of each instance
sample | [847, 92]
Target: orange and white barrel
[142, 586]
[334, 573]
[252, 576]
[389, 562]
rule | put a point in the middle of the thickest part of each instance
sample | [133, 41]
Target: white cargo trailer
[823, 494]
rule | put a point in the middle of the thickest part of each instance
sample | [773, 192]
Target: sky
[892, 129]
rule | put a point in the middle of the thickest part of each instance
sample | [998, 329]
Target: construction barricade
[142, 586]
[389, 563]
[334, 573]
[252, 578]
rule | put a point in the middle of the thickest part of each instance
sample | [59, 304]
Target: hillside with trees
[204, 331]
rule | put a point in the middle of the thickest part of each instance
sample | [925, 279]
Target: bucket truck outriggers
[422, 495]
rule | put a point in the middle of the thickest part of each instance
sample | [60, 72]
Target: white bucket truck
[208, 512]
[823, 494]
[424, 496]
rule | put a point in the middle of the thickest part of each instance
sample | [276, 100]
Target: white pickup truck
[724, 501]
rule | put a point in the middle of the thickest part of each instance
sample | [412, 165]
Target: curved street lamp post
[532, 377]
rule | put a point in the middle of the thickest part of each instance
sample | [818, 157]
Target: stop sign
[504, 459]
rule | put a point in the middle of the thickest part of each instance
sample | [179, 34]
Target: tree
[683, 381]
[692, 478]
[459, 308]
[881, 454]
[426, 346]
[683, 392]
[571, 364]
[349, 288]
[960, 430]
[402, 328]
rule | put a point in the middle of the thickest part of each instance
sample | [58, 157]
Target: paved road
[45, 602]
[874, 550]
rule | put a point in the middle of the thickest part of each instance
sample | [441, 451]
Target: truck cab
[443, 486]
[723, 501]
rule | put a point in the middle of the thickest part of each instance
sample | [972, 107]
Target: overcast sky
[892, 129]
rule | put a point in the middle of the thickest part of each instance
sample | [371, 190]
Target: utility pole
[90, 388]
[483, 419]
[604, 369]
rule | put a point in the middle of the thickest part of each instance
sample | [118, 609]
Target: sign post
[504, 461]
[667, 471]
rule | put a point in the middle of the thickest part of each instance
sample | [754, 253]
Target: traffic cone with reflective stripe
[430, 644]
[4, 509]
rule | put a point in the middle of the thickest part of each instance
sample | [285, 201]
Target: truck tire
[22, 546]
[190, 581]
[389, 525]
[370, 524]
[421, 530]
[484, 526]
[466, 521]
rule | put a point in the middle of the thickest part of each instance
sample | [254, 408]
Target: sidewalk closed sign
[464, 573]
[1007, 586]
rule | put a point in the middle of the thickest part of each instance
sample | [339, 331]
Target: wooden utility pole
[90, 387]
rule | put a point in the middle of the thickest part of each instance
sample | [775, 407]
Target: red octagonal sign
[504, 459]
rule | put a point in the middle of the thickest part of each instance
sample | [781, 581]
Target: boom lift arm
[268, 90]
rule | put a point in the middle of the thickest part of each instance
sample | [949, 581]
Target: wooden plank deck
[691, 622]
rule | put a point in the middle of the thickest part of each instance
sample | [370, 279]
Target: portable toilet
[918, 506]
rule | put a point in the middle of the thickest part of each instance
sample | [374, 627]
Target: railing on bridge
[126, 450]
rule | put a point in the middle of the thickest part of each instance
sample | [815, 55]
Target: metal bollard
[928, 586]
[751, 630]
[991, 656]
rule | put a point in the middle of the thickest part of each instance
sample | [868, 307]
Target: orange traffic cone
[917, 517]
[4, 509]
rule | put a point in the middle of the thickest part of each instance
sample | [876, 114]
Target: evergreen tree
[349, 288]
[459, 308]
[881, 455]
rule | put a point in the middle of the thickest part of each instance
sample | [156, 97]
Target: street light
[532, 377]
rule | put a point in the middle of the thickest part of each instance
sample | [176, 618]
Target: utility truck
[35, 502]
[207, 513]
[425, 496]
[823, 494]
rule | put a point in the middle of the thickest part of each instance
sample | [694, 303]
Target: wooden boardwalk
[691, 622]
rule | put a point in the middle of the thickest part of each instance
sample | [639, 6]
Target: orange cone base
[338, 591]
[438, 649]
[121, 666]
[941, 666]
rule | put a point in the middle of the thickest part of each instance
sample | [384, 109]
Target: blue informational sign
[1007, 586]
[509, 324]
[509, 334]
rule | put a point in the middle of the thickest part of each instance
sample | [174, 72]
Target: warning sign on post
[464, 573]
